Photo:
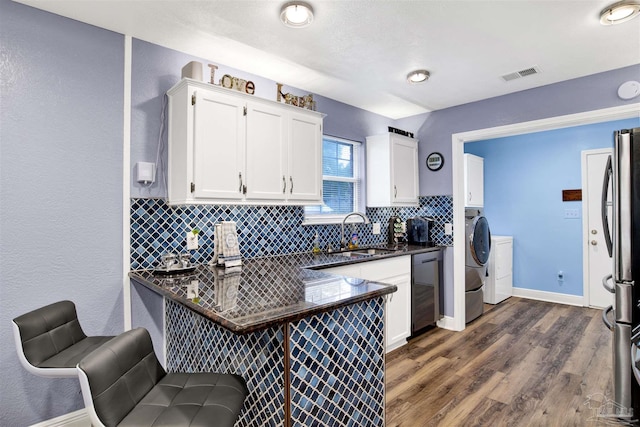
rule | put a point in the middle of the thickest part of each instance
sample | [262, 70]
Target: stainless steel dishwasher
[427, 302]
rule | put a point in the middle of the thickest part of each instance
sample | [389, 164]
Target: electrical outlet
[192, 241]
[571, 214]
[448, 229]
[376, 228]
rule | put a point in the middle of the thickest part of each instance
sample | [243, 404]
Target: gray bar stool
[123, 384]
[50, 341]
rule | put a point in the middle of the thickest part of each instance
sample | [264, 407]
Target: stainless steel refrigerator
[622, 235]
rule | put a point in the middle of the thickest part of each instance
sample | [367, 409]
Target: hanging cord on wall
[160, 152]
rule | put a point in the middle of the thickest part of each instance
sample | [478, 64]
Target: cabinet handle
[291, 189]
[240, 178]
[284, 184]
[469, 199]
[395, 191]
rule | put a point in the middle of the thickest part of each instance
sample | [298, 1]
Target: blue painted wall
[524, 178]
[60, 190]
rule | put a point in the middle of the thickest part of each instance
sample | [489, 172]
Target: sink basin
[373, 251]
[364, 252]
[351, 254]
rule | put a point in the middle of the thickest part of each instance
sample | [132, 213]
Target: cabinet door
[218, 153]
[266, 152]
[404, 170]
[398, 312]
[474, 180]
[305, 158]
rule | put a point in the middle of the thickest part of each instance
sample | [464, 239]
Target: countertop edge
[233, 327]
[303, 312]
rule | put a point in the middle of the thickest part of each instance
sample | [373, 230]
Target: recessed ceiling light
[619, 12]
[418, 76]
[296, 14]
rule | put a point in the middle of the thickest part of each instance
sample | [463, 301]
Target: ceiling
[360, 51]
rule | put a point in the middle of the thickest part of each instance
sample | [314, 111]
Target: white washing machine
[478, 247]
[499, 284]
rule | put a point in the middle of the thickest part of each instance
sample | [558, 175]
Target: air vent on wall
[522, 73]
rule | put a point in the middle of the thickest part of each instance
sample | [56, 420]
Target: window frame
[358, 180]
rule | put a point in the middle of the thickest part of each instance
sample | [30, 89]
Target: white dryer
[478, 247]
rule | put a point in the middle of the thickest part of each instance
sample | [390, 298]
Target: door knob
[594, 242]
[594, 231]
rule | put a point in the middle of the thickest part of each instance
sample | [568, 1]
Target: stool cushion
[200, 399]
[71, 356]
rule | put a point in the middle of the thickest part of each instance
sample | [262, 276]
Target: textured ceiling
[360, 51]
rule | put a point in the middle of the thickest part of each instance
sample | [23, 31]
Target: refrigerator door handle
[604, 205]
[605, 283]
[605, 317]
[622, 206]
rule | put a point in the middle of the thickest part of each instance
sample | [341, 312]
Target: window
[341, 182]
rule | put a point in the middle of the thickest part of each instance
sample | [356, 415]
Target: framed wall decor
[435, 161]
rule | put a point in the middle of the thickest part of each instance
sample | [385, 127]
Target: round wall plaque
[435, 161]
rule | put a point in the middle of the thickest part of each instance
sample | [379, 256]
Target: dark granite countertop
[271, 290]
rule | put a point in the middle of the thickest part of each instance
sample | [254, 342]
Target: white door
[219, 135]
[474, 180]
[596, 260]
[305, 158]
[404, 164]
[266, 152]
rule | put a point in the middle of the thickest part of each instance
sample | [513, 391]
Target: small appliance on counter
[419, 231]
[396, 231]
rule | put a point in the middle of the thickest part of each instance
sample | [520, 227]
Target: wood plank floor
[522, 363]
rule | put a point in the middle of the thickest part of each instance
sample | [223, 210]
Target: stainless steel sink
[373, 251]
[364, 252]
[350, 254]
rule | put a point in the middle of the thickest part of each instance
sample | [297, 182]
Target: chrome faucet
[343, 243]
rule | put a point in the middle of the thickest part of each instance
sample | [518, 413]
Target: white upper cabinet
[266, 151]
[473, 181]
[229, 147]
[392, 170]
[218, 155]
[305, 158]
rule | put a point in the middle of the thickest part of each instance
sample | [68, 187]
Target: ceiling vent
[522, 73]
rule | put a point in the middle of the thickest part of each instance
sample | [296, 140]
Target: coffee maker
[419, 231]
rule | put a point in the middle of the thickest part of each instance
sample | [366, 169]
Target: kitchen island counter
[309, 344]
[264, 291]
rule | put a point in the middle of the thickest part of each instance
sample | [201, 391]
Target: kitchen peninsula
[309, 344]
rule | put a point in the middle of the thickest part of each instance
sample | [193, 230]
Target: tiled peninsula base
[334, 361]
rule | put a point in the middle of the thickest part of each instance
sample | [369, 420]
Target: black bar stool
[50, 341]
[123, 384]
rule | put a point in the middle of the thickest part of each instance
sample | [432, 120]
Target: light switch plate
[448, 229]
[192, 241]
[376, 228]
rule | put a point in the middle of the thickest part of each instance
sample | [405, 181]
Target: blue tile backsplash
[157, 228]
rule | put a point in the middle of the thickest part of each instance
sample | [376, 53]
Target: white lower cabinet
[393, 271]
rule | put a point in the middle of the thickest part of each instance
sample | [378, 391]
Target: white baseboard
[549, 296]
[447, 323]
[78, 418]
